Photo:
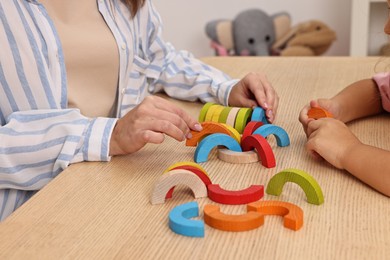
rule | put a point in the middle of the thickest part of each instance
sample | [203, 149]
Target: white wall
[185, 20]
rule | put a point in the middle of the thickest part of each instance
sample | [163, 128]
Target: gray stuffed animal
[251, 33]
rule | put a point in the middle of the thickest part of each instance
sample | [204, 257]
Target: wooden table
[101, 210]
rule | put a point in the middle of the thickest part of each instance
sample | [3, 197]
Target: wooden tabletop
[102, 210]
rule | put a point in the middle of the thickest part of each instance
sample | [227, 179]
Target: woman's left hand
[255, 90]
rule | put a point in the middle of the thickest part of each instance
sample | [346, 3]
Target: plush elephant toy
[252, 33]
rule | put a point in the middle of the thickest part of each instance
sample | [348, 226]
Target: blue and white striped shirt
[39, 135]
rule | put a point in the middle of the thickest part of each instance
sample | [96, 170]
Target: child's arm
[360, 99]
[333, 141]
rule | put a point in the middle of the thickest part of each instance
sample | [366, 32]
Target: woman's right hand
[149, 122]
[328, 104]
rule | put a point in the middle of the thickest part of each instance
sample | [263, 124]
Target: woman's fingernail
[265, 105]
[189, 135]
[198, 127]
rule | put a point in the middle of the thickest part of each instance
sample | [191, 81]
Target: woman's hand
[332, 140]
[149, 122]
[255, 90]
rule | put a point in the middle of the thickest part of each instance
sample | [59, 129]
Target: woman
[76, 78]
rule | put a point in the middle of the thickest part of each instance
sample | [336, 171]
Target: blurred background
[358, 23]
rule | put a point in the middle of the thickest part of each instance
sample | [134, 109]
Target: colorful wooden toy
[211, 111]
[245, 196]
[203, 111]
[318, 112]
[242, 118]
[198, 172]
[224, 115]
[258, 114]
[292, 214]
[250, 128]
[176, 177]
[231, 118]
[281, 135]
[308, 184]
[230, 156]
[208, 128]
[180, 222]
[211, 141]
[262, 147]
[218, 220]
[234, 133]
[185, 163]
[217, 114]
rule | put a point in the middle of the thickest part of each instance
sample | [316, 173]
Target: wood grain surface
[98, 210]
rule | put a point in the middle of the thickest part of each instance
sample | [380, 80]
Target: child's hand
[327, 104]
[330, 139]
[149, 122]
[255, 90]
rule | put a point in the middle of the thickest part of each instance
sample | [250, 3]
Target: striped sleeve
[179, 74]
[39, 136]
[37, 145]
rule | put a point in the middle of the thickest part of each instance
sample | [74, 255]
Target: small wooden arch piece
[280, 134]
[234, 133]
[208, 128]
[209, 142]
[198, 172]
[243, 116]
[180, 222]
[230, 156]
[250, 128]
[308, 184]
[318, 112]
[292, 214]
[262, 147]
[211, 111]
[175, 177]
[203, 111]
[218, 220]
[258, 115]
[245, 196]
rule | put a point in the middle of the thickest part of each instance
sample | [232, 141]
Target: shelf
[360, 21]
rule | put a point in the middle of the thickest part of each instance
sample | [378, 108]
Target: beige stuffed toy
[310, 38]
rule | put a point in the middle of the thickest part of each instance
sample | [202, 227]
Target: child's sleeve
[383, 82]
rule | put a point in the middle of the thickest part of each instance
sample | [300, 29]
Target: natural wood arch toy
[262, 147]
[280, 134]
[245, 196]
[308, 184]
[176, 177]
[209, 142]
[250, 128]
[198, 172]
[218, 220]
[208, 128]
[180, 222]
[292, 214]
[231, 118]
[230, 156]
[318, 112]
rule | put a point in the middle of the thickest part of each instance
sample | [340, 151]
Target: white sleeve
[36, 145]
[178, 73]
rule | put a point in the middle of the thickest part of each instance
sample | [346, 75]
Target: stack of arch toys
[195, 177]
[241, 130]
[198, 180]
